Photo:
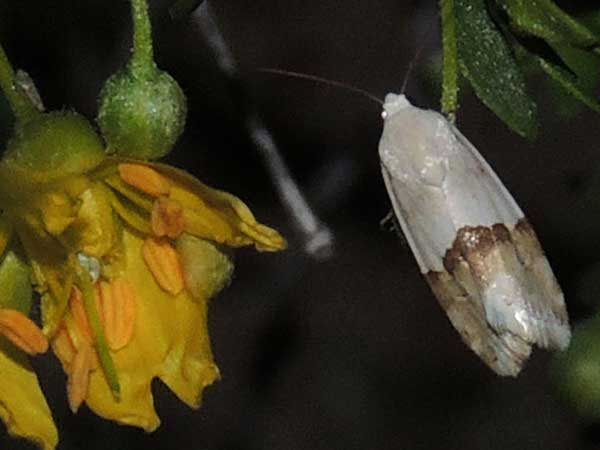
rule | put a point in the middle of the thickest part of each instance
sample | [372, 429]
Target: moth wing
[518, 288]
[503, 352]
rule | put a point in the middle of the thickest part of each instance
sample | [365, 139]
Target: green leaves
[542, 18]
[487, 62]
[491, 42]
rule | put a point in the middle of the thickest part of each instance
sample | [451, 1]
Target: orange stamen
[64, 347]
[118, 311]
[167, 218]
[79, 377]
[144, 178]
[163, 262]
[22, 332]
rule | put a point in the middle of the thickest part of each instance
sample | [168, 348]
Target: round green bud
[576, 371]
[141, 115]
[50, 146]
[207, 269]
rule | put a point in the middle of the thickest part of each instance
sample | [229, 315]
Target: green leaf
[570, 83]
[591, 20]
[15, 283]
[183, 8]
[487, 62]
[450, 59]
[582, 76]
[585, 64]
[544, 19]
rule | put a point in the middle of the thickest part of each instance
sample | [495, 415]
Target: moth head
[394, 103]
[410, 143]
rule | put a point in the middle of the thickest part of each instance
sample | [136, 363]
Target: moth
[471, 240]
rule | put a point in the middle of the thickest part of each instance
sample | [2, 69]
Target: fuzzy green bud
[141, 114]
[48, 147]
[142, 109]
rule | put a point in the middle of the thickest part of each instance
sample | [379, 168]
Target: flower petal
[207, 213]
[23, 407]
[170, 341]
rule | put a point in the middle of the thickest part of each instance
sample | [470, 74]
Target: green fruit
[576, 371]
[141, 114]
[50, 146]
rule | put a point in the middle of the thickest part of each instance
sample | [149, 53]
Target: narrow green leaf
[544, 19]
[585, 64]
[569, 83]
[591, 20]
[487, 62]
[450, 60]
[575, 71]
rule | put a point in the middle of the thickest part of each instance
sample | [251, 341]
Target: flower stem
[142, 60]
[21, 106]
[450, 60]
[106, 361]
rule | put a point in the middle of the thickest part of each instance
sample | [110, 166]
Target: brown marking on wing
[504, 353]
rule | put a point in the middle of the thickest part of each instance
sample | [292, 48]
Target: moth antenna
[415, 58]
[337, 84]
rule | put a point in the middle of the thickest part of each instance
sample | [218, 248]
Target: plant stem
[22, 108]
[450, 60]
[142, 60]
[106, 361]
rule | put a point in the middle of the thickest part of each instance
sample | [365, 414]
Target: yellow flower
[124, 257]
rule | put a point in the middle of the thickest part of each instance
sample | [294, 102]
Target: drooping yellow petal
[169, 341]
[23, 407]
[224, 215]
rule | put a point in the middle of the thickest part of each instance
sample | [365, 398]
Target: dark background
[353, 352]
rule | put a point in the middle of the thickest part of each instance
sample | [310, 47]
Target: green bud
[206, 268]
[48, 147]
[576, 371]
[141, 114]
[142, 109]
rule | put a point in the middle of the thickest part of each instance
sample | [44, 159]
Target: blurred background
[353, 351]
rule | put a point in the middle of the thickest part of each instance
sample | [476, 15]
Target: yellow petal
[169, 341]
[94, 231]
[223, 214]
[23, 407]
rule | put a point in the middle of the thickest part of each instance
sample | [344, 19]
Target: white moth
[471, 240]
